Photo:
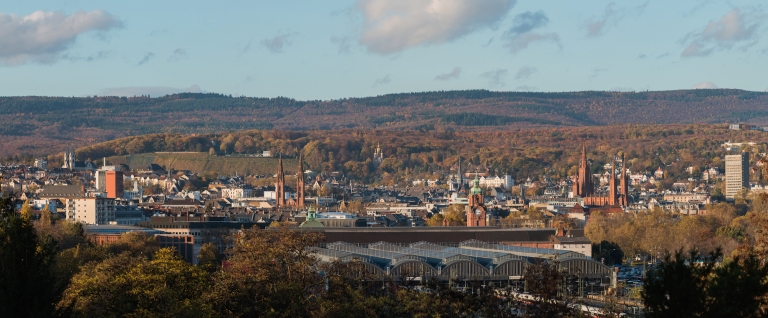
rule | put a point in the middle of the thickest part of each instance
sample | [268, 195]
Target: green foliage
[208, 258]
[692, 285]
[130, 286]
[479, 119]
[26, 280]
[608, 252]
[734, 233]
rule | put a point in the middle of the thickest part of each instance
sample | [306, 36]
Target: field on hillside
[202, 163]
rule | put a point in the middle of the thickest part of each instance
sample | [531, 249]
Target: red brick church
[583, 186]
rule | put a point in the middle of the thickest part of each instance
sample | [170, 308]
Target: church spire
[461, 178]
[612, 183]
[624, 201]
[280, 186]
[300, 183]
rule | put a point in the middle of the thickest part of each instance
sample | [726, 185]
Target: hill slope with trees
[33, 124]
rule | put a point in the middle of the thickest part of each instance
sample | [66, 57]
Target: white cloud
[496, 77]
[277, 43]
[731, 29]
[525, 72]
[705, 85]
[43, 35]
[394, 25]
[454, 74]
[153, 91]
[521, 34]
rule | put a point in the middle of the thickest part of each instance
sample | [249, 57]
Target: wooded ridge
[30, 124]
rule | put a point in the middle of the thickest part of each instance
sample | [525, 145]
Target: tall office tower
[736, 174]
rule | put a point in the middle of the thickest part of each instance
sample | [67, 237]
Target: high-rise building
[736, 174]
[114, 184]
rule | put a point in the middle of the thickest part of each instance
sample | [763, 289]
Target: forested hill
[28, 123]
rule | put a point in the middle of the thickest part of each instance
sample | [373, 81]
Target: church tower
[69, 159]
[582, 185]
[280, 186]
[300, 183]
[612, 197]
[378, 156]
[623, 183]
[476, 213]
[461, 178]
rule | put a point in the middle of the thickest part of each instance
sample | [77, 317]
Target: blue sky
[335, 49]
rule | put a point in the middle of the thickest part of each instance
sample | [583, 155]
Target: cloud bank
[43, 35]
[521, 34]
[392, 26]
[152, 91]
[731, 29]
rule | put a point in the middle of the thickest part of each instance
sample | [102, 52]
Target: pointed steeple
[300, 183]
[476, 189]
[461, 177]
[612, 183]
[583, 186]
[623, 185]
[280, 186]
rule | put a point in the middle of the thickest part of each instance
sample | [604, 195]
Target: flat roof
[435, 234]
[117, 229]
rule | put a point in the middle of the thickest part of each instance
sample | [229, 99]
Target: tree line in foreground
[50, 269]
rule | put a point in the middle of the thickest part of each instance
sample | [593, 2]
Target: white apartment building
[575, 244]
[91, 210]
[505, 182]
[736, 174]
[236, 192]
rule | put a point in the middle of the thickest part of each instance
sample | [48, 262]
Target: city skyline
[341, 49]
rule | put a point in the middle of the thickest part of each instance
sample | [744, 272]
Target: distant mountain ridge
[27, 123]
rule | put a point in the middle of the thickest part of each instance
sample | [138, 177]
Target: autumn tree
[208, 258]
[25, 266]
[26, 210]
[126, 285]
[544, 281]
[270, 271]
[693, 285]
[45, 216]
[454, 215]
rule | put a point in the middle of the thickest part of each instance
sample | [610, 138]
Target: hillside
[414, 154]
[39, 125]
[202, 163]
